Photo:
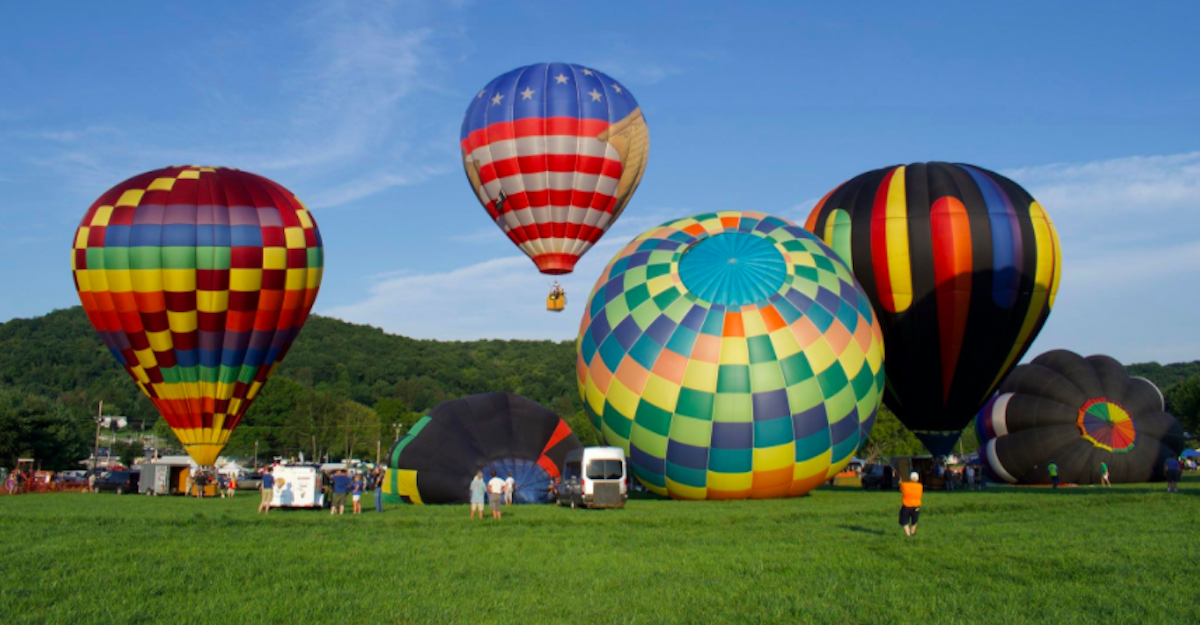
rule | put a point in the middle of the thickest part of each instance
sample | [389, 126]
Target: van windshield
[604, 470]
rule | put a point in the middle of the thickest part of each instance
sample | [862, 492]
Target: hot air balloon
[501, 432]
[731, 355]
[554, 153]
[962, 266]
[1079, 412]
[198, 279]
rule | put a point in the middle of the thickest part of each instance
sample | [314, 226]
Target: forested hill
[339, 390]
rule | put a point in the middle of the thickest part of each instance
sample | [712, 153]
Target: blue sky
[1092, 107]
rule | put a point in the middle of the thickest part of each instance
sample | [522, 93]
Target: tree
[1183, 401]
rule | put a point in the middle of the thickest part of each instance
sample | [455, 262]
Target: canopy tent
[1191, 453]
[232, 468]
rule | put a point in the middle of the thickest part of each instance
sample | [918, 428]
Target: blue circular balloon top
[733, 269]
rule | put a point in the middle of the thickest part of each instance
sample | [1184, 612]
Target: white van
[298, 486]
[593, 477]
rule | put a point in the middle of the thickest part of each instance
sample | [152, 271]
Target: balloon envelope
[554, 152]
[501, 432]
[731, 355]
[962, 266]
[1079, 412]
[198, 279]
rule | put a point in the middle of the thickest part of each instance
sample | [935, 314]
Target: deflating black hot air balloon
[961, 265]
[501, 432]
[1079, 412]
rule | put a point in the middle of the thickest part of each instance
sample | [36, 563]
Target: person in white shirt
[510, 485]
[495, 494]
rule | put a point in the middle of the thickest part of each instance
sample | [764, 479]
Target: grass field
[837, 556]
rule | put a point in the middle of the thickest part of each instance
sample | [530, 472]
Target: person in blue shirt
[1174, 471]
[477, 489]
[268, 491]
[356, 490]
[341, 486]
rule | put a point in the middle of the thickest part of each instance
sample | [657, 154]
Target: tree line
[341, 391]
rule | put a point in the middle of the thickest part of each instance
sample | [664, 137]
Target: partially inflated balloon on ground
[731, 355]
[501, 432]
[198, 279]
[962, 265]
[1079, 412]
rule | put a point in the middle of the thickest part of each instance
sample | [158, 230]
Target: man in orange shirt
[910, 503]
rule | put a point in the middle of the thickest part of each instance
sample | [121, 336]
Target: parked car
[119, 482]
[250, 481]
[878, 477]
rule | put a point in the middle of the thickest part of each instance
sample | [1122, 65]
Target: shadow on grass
[863, 530]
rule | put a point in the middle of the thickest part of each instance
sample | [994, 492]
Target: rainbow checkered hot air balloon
[962, 266]
[731, 355]
[198, 279]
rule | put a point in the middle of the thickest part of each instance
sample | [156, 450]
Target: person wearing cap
[910, 503]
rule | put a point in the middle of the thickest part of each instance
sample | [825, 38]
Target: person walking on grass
[1104, 475]
[222, 484]
[356, 489]
[495, 495]
[1173, 470]
[377, 484]
[510, 487]
[910, 503]
[341, 486]
[477, 489]
[969, 473]
[232, 484]
[1052, 469]
[268, 491]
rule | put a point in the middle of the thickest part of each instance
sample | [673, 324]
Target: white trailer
[298, 486]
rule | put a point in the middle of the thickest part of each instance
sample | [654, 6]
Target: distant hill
[340, 389]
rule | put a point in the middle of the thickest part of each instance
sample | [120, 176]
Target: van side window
[573, 470]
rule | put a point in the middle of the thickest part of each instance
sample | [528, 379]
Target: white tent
[232, 468]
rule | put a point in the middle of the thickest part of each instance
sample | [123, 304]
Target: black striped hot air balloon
[961, 265]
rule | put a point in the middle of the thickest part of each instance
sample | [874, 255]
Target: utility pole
[378, 448]
[96, 447]
[255, 455]
[398, 427]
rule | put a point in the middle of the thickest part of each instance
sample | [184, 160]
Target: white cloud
[1131, 258]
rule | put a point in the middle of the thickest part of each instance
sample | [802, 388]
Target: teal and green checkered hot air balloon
[731, 355]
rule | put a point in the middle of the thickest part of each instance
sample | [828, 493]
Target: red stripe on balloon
[879, 252]
[951, 232]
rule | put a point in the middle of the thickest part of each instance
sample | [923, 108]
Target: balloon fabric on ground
[198, 279]
[501, 432]
[1079, 412]
[962, 266]
[554, 152]
[731, 355]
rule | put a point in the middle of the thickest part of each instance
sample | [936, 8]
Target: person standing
[969, 472]
[510, 486]
[377, 484]
[356, 490]
[495, 494]
[477, 489]
[910, 503]
[222, 484]
[232, 484]
[341, 486]
[1052, 469]
[268, 491]
[1104, 475]
[92, 482]
[1173, 470]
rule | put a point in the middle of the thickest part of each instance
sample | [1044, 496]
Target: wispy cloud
[342, 118]
[1130, 254]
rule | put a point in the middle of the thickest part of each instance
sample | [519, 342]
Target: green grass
[1126, 555]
